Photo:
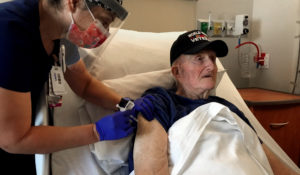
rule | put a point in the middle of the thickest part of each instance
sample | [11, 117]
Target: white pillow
[132, 52]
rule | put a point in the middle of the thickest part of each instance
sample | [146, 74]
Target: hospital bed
[132, 62]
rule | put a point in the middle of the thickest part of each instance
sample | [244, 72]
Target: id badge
[57, 81]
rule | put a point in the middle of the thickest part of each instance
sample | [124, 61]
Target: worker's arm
[150, 148]
[18, 136]
[89, 88]
[277, 165]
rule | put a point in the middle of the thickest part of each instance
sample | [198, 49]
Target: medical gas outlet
[261, 59]
[241, 26]
[225, 28]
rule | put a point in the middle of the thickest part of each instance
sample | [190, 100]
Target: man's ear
[175, 71]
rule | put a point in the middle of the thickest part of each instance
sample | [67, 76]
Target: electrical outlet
[266, 61]
[229, 27]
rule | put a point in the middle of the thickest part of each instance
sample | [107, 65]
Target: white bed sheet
[194, 139]
[131, 57]
[212, 127]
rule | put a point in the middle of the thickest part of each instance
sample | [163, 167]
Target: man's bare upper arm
[277, 165]
[150, 148]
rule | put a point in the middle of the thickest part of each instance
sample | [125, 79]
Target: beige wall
[160, 15]
[275, 29]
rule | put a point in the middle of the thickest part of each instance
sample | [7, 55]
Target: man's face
[197, 73]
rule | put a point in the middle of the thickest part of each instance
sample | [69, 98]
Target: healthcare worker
[32, 32]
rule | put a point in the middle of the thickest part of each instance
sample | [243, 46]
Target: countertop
[257, 96]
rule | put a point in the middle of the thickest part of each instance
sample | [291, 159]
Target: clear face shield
[111, 15]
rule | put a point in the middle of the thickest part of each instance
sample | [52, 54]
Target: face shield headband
[114, 6]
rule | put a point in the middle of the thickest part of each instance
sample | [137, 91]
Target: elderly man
[193, 132]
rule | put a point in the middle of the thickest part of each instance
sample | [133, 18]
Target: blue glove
[145, 106]
[116, 126]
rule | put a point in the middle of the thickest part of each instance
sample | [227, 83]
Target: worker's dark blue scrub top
[24, 63]
[24, 66]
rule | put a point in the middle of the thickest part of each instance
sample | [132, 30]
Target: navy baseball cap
[192, 42]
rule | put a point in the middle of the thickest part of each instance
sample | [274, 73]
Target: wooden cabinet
[279, 114]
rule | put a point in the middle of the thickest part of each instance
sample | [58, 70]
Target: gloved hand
[116, 126]
[145, 106]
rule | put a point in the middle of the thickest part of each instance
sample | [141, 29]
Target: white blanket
[213, 140]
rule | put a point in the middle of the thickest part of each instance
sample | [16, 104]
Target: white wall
[274, 27]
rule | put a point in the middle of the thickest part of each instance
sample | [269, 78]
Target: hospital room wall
[160, 15]
[270, 26]
[227, 10]
[275, 28]
[181, 15]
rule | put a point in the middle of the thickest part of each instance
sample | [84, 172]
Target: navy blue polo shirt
[169, 107]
